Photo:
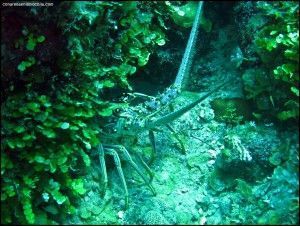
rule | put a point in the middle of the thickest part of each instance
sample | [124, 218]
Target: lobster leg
[134, 165]
[147, 168]
[177, 138]
[103, 167]
[153, 144]
[120, 172]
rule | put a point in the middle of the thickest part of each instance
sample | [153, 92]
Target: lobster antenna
[189, 50]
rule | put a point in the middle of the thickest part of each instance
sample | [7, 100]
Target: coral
[85, 214]
[153, 217]
[242, 153]
[231, 110]
[184, 15]
[246, 152]
[279, 193]
[276, 41]
[129, 36]
[53, 103]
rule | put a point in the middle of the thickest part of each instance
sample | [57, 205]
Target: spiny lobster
[134, 120]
